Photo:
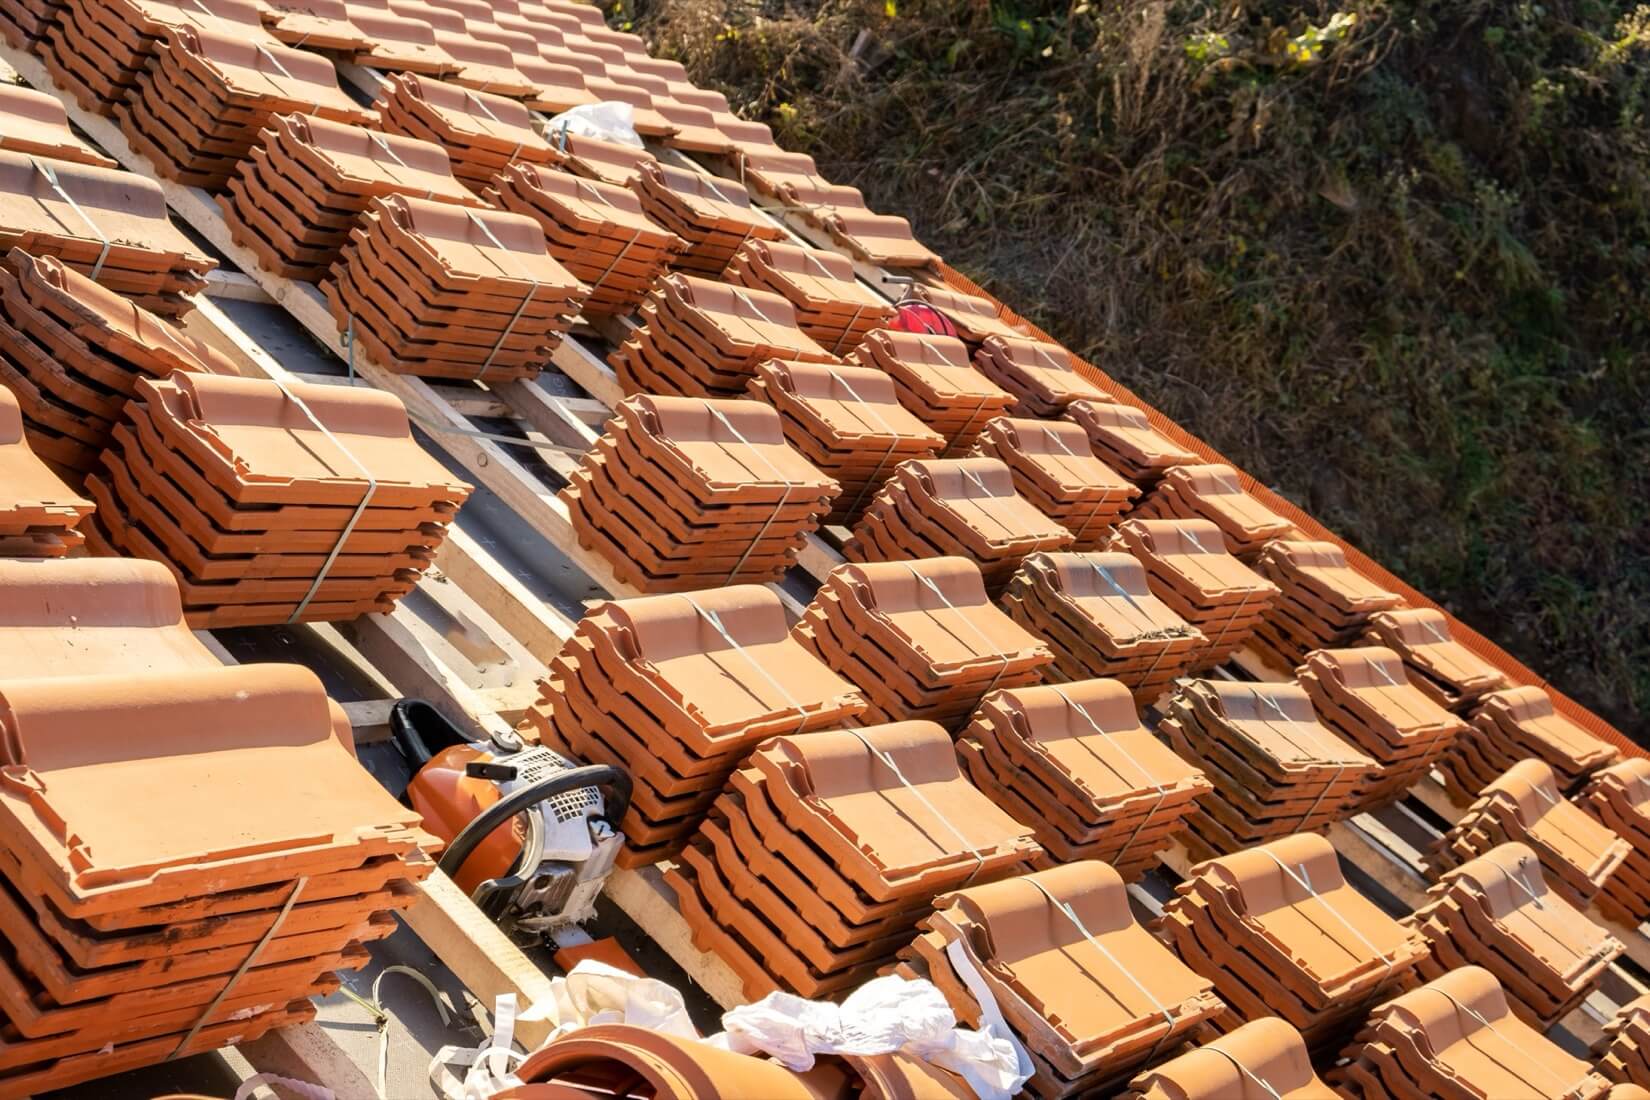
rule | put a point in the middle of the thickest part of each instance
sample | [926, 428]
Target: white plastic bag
[608, 120]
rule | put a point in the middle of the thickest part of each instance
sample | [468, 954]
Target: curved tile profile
[1623, 1053]
[1517, 722]
[1325, 602]
[1456, 1038]
[38, 511]
[1038, 374]
[713, 218]
[1577, 852]
[937, 381]
[1451, 675]
[1056, 472]
[35, 123]
[831, 306]
[1212, 492]
[1619, 797]
[1122, 437]
[1264, 1059]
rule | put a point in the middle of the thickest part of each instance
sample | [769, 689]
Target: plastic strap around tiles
[1243, 1070]
[240, 971]
[378, 140]
[1305, 883]
[1077, 537]
[51, 179]
[1567, 1086]
[488, 111]
[1162, 789]
[888, 762]
[784, 497]
[876, 475]
[985, 493]
[1163, 634]
[936, 590]
[617, 260]
[525, 302]
[715, 621]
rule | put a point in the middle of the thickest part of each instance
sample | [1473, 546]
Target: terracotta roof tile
[936, 381]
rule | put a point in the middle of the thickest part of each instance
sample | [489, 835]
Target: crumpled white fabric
[608, 120]
[884, 1015]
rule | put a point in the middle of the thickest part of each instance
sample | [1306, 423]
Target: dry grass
[1393, 257]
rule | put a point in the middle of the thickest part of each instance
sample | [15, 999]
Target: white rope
[1565, 1085]
[1094, 941]
[1162, 789]
[532, 290]
[1243, 1070]
[985, 638]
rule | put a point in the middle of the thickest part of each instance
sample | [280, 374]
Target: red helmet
[914, 315]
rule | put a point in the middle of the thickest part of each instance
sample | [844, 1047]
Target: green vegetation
[1394, 259]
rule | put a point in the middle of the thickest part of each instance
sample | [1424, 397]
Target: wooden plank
[479, 953]
[1636, 939]
[536, 625]
[1364, 842]
[387, 641]
[233, 284]
[1430, 793]
[371, 719]
[307, 1053]
[645, 898]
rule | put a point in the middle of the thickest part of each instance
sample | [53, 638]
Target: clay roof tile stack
[846, 420]
[884, 240]
[713, 217]
[482, 133]
[1325, 603]
[964, 506]
[1212, 492]
[483, 66]
[827, 848]
[1038, 374]
[399, 43]
[72, 352]
[831, 305]
[38, 512]
[1280, 932]
[200, 107]
[793, 179]
[704, 338]
[294, 201]
[677, 690]
[936, 381]
[236, 487]
[592, 158]
[1497, 912]
[98, 49]
[108, 224]
[35, 123]
[442, 291]
[1054, 469]
[1577, 853]
[1074, 762]
[1276, 769]
[1455, 1038]
[1123, 438]
[1518, 722]
[318, 24]
[1264, 1059]
[1189, 568]
[1100, 619]
[1086, 990]
[189, 853]
[1448, 672]
[1363, 695]
[919, 638]
[1623, 1054]
[684, 493]
[596, 229]
[977, 319]
[1619, 797]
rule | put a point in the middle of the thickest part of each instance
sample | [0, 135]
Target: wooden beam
[645, 898]
[307, 1053]
[536, 625]
[233, 284]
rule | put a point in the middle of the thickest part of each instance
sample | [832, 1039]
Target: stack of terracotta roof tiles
[1099, 618]
[1325, 604]
[1039, 375]
[977, 319]
[108, 224]
[827, 848]
[1363, 695]
[1122, 436]
[1086, 990]
[246, 494]
[919, 638]
[199, 108]
[1450, 674]
[398, 43]
[1497, 912]
[318, 24]
[1276, 769]
[484, 66]
[963, 506]
[592, 158]
[36, 124]
[1578, 854]
[1512, 724]
[1623, 1054]
[98, 49]
[1074, 762]
[1189, 568]
[793, 180]
[38, 512]
[442, 291]
[72, 352]
[294, 201]
[702, 338]
[1455, 1038]
[686, 493]
[1264, 1059]
[595, 228]
[847, 421]
[677, 690]
[1280, 932]
[24, 23]
[831, 305]
[190, 854]
[936, 382]
[1212, 492]
[1619, 797]
[1054, 469]
[713, 217]
[482, 133]
[881, 239]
